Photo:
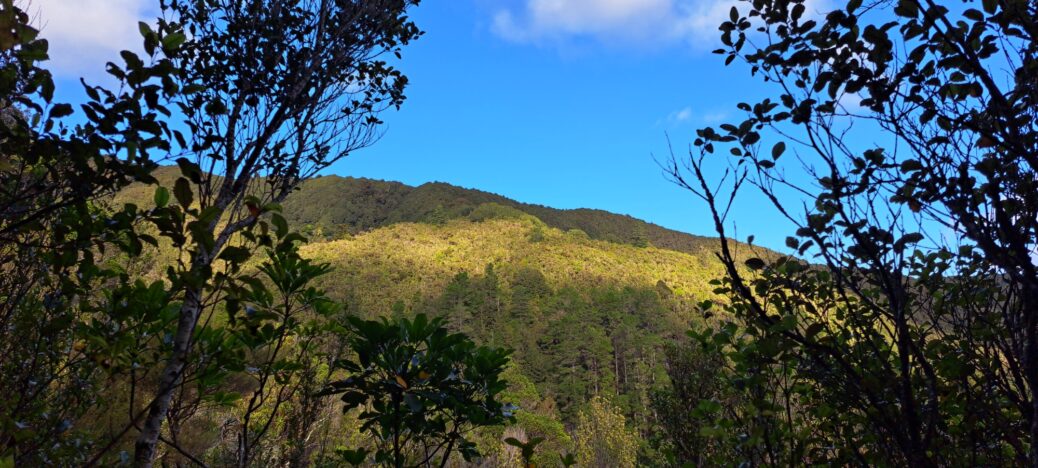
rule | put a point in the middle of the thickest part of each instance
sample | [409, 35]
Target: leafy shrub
[420, 389]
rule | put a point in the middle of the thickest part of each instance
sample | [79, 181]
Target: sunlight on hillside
[534, 233]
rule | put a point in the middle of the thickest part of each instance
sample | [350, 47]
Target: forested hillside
[331, 206]
[585, 316]
[183, 284]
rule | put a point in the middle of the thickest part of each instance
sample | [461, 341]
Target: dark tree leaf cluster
[913, 338]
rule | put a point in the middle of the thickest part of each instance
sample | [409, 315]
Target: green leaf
[34, 51]
[910, 165]
[280, 224]
[973, 14]
[145, 29]
[912, 238]
[173, 41]
[755, 264]
[907, 8]
[209, 214]
[353, 399]
[215, 107]
[60, 110]
[235, 254]
[190, 170]
[353, 457]
[814, 329]
[161, 197]
[777, 150]
[182, 191]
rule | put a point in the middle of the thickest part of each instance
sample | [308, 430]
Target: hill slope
[585, 316]
[334, 204]
[329, 207]
[588, 299]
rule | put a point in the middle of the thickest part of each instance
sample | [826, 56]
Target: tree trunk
[144, 448]
[616, 371]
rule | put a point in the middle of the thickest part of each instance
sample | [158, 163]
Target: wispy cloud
[688, 116]
[679, 116]
[713, 118]
[632, 23]
[85, 34]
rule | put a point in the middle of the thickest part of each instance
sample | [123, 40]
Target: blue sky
[556, 102]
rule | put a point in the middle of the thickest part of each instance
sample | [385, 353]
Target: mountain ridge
[335, 203]
[589, 301]
[333, 206]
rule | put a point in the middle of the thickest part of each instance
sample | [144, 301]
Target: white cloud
[637, 23]
[714, 118]
[688, 116]
[679, 116]
[85, 34]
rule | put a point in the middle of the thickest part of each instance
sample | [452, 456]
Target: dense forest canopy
[330, 207]
[181, 286]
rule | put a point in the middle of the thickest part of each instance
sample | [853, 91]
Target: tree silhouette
[271, 92]
[916, 339]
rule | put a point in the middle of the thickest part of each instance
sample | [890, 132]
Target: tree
[472, 305]
[55, 235]
[271, 92]
[603, 438]
[916, 339]
[458, 301]
[420, 389]
[281, 327]
[697, 389]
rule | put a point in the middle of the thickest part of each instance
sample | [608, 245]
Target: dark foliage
[916, 342]
[420, 390]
